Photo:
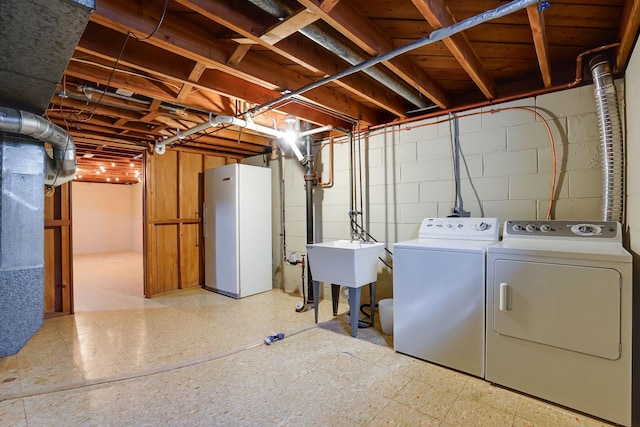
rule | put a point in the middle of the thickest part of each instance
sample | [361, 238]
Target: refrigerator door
[237, 230]
[221, 230]
[254, 232]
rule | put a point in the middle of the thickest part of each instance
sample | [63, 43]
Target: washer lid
[445, 245]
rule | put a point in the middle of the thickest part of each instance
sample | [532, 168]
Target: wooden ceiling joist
[438, 15]
[177, 36]
[351, 23]
[536, 20]
[211, 57]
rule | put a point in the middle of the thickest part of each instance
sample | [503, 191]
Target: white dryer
[439, 292]
[559, 314]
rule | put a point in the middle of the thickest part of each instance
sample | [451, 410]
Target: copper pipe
[489, 102]
[328, 184]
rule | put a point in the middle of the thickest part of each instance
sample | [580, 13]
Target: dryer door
[566, 306]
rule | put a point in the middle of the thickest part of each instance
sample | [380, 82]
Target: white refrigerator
[237, 230]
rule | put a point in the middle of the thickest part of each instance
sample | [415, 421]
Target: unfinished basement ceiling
[144, 70]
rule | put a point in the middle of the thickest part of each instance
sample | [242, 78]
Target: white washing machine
[439, 292]
[559, 314]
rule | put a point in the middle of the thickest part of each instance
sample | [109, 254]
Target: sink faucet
[355, 233]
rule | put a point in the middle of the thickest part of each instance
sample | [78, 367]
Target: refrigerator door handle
[204, 220]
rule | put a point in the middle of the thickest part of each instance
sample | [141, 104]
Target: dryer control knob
[481, 226]
[531, 228]
[545, 228]
[516, 227]
[584, 229]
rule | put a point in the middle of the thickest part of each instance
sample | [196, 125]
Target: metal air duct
[62, 167]
[315, 33]
[611, 141]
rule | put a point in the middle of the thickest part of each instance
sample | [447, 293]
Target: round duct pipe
[611, 141]
[62, 167]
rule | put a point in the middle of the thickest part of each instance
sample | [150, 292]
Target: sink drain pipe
[611, 141]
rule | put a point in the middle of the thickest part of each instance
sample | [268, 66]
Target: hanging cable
[532, 110]
[155, 30]
[113, 70]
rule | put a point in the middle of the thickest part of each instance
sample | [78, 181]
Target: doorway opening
[108, 271]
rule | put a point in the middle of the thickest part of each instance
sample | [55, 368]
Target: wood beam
[351, 23]
[628, 31]
[179, 37]
[289, 26]
[303, 52]
[538, 29]
[138, 82]
[240, 51]
[211, 83]
[194, 76]
[438, 15]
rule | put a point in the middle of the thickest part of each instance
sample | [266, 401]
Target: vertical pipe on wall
[610, 139]
[308, 186]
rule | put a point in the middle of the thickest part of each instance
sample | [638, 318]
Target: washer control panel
[605, 230]
[460, 228]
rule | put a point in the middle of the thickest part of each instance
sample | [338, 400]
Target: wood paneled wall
[174, 195]
[58, 267]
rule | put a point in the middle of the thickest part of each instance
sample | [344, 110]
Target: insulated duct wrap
[612, 146]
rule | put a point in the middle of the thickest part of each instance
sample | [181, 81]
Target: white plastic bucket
[385, 308]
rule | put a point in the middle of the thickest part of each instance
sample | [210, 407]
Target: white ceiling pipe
[316, 130]
[160, 146]
[249, 124]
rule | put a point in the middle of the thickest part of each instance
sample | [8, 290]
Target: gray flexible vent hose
[610, 139]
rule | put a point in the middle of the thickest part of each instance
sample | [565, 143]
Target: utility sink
[343, 262]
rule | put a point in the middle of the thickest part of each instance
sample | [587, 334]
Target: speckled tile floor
[198, 359]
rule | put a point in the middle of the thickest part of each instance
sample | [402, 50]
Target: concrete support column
[21, 241]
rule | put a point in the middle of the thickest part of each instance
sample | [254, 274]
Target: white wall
[106, 217]
[632, 84]
[409, 175]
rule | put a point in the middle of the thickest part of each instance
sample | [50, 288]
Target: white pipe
[248, 124]
[316, 130]
[160, 146]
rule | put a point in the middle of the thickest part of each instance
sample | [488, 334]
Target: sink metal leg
[372, 301]
[316, 297]
[354, 309]
[335, 295]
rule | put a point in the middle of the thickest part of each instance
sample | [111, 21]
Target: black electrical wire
[113, 70]
[457, 154]
[115, 65]
[354, 223]
[155, 30]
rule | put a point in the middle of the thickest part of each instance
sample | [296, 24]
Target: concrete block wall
[505, 172]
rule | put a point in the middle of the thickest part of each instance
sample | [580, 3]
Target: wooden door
[58, 259]
[190, 204]
[174, 188]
